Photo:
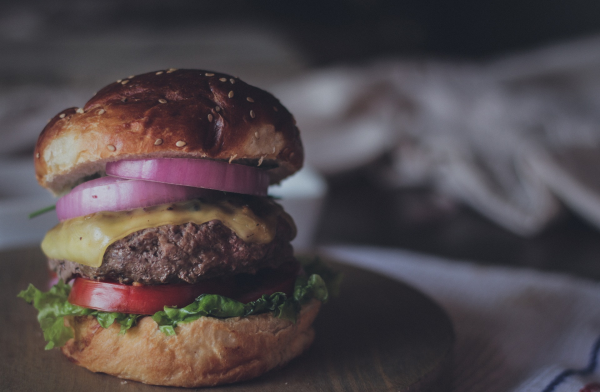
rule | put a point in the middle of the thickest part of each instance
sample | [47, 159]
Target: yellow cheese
[85, 239]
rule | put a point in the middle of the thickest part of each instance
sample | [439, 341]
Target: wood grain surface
[379, 335]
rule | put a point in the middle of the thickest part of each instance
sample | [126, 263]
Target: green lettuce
[222, 307]
[318, 283]
[331, 278]
[53, 307]
[42, 211]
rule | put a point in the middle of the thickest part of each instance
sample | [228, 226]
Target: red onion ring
[117, 194]
[198, 173]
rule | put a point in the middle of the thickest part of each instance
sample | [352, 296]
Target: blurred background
[466, 129]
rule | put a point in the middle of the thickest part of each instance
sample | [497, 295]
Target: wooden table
[360, 211]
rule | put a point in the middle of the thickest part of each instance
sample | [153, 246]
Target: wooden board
[379, 335]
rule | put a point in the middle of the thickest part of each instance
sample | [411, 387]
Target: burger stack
[174, 266]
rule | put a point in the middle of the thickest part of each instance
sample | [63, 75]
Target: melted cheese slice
[85, 239]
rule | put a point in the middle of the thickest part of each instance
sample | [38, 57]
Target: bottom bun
[205, 352]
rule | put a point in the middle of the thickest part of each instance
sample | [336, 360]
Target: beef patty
[182, 253]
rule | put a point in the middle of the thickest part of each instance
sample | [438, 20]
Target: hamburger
[174, 266]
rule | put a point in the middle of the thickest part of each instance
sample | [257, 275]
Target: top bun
[169, 114]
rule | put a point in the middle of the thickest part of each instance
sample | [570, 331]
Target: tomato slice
[149, 299]
[145, 299]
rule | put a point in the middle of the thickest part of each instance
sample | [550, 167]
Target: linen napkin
[509, 137]
[517, 330]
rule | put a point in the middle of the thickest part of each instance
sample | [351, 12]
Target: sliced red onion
[199, 173]
[117, 194]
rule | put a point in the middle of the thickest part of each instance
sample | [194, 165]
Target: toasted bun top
[174, 114]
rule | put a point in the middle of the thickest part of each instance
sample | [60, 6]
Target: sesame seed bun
[205, 352]
[169, 114]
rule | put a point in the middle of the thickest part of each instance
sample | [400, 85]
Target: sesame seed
[101, 111]
[162, 100]
[159, 73]
[37, 155]
[158, 142]
[249, 99]
[79, 110]
[180, 143]
[48, 122]
[230, 95]
[260, 161]
[252, 114]
[273, 150]
[124, 82]
[62, 115]
[232, 81]
[223, 79]
[171, 70]
[217, 108]
[119, 81]
[210, 117]
[111, 147]
[256, 135]
[232, 158]
[275, 108]
[123, 99]
[131, 77]
[209, 74]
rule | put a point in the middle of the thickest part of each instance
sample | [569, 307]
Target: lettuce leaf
[42, 211]
[53, 307]
[332, 279]
[319, 283]
[222, 307]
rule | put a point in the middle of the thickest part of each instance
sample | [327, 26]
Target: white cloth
[517, 330]
[502, 137]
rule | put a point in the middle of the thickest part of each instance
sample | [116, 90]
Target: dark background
[330, 32]
[358, 210]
